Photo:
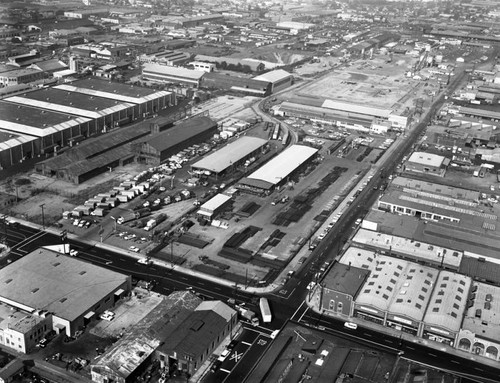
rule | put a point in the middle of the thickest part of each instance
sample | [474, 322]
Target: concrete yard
[367, 82]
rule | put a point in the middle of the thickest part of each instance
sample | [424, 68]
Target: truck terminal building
[230, 156]
[277, 171]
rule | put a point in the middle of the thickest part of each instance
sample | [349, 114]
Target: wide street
[253, 341]
[288, 301]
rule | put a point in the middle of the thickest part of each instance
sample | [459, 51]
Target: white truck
[249, 315]
[265, 310]
[150, 224]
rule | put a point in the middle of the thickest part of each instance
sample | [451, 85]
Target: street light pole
[43, 216]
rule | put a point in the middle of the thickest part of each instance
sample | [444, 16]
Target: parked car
[134, 249]
[73, 252]
[107, 315]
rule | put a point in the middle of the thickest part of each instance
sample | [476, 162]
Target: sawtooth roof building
[72, 291]
[230, 156]
[278, 170]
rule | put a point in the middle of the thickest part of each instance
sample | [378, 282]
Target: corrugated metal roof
[284, 164]
[230, 154]
[181, 132]
[356, 108]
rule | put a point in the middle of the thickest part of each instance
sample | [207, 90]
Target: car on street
[107, 315]
[352, 326]
[145, 261]
[311, 285]
[43, 342]
[224, 355]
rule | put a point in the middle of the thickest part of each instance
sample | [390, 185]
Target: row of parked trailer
[101, 203]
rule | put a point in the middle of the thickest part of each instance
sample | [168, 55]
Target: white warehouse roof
[229, 154]
[173, 71]
[427, 159]
[215, 202]
[273, 76]
[284, 164]
[354, 108]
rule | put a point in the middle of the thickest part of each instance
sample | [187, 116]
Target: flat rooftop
[58, 283]
[70, 102]
[229, 154]
[113, 90]
[460, 196]
[17, 320]
[23, 119]
[426, 159]
[10, 140]
[467, 236]
[407, 246]
[345, 278]
[482, 317]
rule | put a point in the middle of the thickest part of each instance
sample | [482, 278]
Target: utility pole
[43, 216]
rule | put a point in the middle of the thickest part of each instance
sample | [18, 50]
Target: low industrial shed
[213, 206]
[230, 156]
[278, 170]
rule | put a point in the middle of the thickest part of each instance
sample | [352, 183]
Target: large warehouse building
[37, 123]
[277, 171]
[230, 156]
[31, 132]
[146, 101]
[341, 113]
[279, 79]
[107, 113]
[161, 146]
[54, 291]
[171, 74]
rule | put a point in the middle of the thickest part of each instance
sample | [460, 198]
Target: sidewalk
[313, 304]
